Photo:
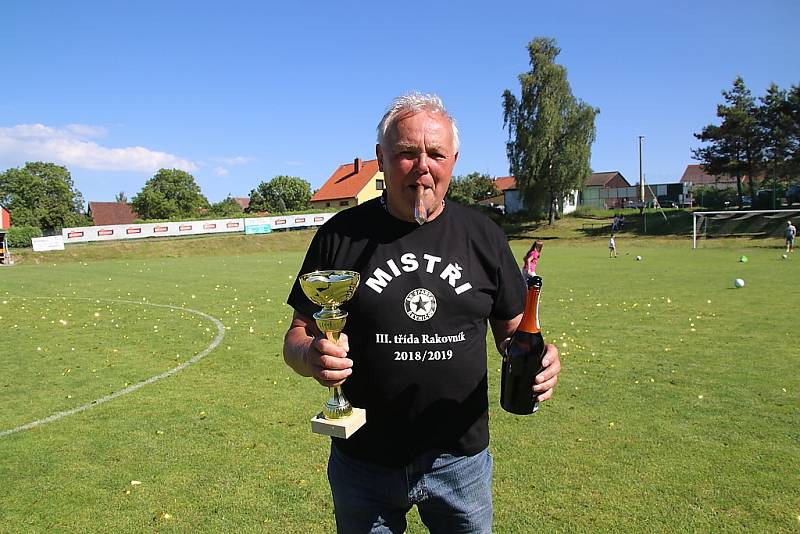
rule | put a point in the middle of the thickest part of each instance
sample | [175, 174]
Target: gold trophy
[330, 289]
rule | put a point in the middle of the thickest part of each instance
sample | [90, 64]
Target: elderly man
[433, 274]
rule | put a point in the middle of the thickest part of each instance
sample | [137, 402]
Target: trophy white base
[339, 428]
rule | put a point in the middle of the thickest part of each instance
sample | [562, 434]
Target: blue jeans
[453, 493]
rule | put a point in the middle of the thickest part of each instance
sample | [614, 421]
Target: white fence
[179, 228]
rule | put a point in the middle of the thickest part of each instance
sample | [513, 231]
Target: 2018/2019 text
[422, 355]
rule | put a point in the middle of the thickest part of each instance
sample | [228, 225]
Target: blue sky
[238, 92]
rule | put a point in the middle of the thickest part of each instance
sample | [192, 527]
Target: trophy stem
[333, 336]
[337, 405]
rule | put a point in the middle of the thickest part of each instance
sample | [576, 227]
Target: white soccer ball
[739, 282]
[784, 256]
[638, 258]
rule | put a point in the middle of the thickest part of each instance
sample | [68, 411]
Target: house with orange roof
[501, 184]
[350, 184]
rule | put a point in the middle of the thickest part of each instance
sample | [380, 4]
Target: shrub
[20, 236]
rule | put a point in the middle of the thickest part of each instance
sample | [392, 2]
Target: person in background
[612, 247]
[791, 234]
[530, 261]
[413, 351]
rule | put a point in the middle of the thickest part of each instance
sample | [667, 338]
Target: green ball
[743, 259]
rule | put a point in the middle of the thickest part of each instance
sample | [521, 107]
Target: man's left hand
[545, 381]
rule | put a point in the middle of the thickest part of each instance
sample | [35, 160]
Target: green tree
[169, 194]
[714, 198]
[734, 147]
[42, 195]
[472, 188]
[228, 207]
[775, 123]
[550, 132]
[793, 110]
[257, 203]
[282, 193]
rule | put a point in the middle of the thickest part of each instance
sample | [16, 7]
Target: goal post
[746, 223]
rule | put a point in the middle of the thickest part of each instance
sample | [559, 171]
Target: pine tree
[735, 147]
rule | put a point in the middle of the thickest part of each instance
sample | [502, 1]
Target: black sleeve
[510, 298]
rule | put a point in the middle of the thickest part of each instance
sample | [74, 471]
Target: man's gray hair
[412, 103]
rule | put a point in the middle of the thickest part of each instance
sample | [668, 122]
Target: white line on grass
[130, 389]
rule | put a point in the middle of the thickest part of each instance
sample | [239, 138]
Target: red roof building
[606, 179]
[695, 175]
[244, 202]
[505, 182]
[5, 218]
[597, 179]
[105, 213]
[350, 184]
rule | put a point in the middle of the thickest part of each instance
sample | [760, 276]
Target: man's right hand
[310, 353]
[327, 361]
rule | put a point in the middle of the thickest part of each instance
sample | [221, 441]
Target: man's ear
[379, 154]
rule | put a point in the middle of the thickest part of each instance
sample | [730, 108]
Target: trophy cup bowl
[330, 289]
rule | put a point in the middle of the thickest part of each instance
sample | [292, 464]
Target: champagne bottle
[522, 359]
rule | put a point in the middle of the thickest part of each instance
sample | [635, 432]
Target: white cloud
[87, 130]
[221, 171]
[71, 146]
[235, 160]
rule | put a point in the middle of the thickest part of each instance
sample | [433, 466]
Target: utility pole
[641, 186]
[641, 176]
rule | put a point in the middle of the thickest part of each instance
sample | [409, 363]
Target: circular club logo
[420, 304]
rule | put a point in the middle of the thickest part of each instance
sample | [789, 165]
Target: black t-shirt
[417, 325]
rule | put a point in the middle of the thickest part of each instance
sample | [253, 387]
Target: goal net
[751, 223]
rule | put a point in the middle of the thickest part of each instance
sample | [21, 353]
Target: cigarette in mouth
[420, 213]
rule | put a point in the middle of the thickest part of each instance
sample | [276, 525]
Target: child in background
[612, 247]
[531, 259]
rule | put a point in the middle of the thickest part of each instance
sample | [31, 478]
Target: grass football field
[146, 392]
